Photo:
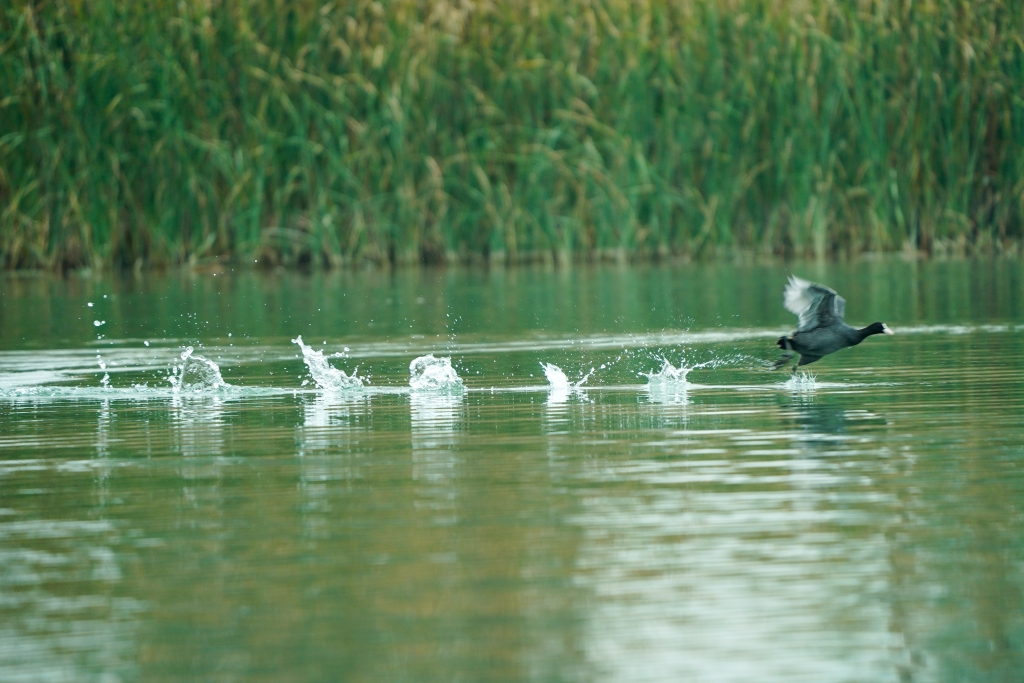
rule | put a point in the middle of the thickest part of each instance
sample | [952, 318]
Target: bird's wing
[813, 304]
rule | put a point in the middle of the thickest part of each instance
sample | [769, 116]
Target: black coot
[821, 329]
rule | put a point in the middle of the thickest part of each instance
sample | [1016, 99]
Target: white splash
[324, 374]
[560, 387]
[670, 375]
[669, 385]
[105, 381]
[801, 382]
[558, 380]
[196, 374]
[427, 373]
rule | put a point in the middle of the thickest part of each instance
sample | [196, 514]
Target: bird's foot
[782, 360]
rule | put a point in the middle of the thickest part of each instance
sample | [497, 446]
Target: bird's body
[821, 329]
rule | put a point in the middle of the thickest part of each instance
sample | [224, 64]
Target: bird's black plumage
[821, 329]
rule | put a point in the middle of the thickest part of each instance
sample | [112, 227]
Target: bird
[821, 329]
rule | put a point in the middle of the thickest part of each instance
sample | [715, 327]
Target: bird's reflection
[818, 417]
[827, 420]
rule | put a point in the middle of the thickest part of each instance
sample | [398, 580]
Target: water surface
[721, 524]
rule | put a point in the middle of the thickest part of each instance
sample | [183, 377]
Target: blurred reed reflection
[64, 613]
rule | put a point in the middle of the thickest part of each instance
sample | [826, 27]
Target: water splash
[670, 375]
[670, 385]
[560, 388]
[196, 374]
[105, 381]
[427, 373]
[558, 379]
[801, 382]
[324, 374]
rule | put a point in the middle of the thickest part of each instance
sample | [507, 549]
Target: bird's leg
[782, 360]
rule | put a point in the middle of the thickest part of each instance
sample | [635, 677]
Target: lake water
[726, 524]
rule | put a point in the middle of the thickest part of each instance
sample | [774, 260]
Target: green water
[865, 525]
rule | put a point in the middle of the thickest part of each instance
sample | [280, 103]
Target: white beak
[885, 328]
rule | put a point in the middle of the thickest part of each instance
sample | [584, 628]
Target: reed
[290, 131]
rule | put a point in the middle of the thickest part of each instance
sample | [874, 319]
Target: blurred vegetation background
[155, 132]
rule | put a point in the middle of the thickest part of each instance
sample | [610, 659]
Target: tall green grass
[161, 131]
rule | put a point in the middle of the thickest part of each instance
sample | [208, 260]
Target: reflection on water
[332, 422]
[198, 424]
[328, 448]
[735, 546]
[103, 430]
[435, 422]
[864, 527]
[62, 617]
[768, 578]
[818, 417]
[434, 419]
[676, 394]
[558, 396]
